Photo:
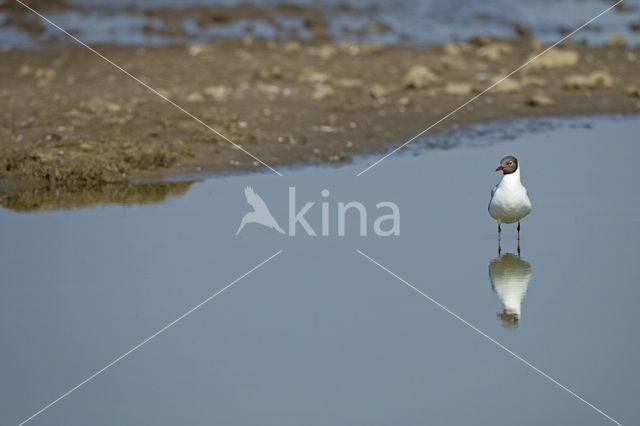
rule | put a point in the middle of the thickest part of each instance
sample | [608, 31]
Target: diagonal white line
[491, 339]
[139, 345]
[152, 89]
[490, 87]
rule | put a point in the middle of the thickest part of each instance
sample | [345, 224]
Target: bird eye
[510, 162]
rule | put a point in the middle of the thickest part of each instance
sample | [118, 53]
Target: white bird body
[509, 200]
[260, 213]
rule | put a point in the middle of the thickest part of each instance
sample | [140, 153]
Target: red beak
[499, 168]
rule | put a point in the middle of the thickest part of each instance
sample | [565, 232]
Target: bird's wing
[254, 199]
[493, 191]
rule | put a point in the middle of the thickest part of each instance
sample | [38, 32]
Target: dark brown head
[508, 164]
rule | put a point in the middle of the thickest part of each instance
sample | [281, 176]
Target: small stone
[44, 76]
[197, 49]
[540, 101]
[537, 44]
[377, 91]
[349, 83]
[419, 77]
[633, 91]
[311, 76]
[371, 48]
[327, 51]
[100, 106]
[616, 40]
[219, 93]
[323, 92]
[555, 58]
[25, 70]
[523, 30]
[452, 49]
[508, 85]
[195, 97]
[292, 47]
[404, 101]
[531, 80]
[164, 92]
[458, 89]
[494, 51]
[596, 79]
[268, 89]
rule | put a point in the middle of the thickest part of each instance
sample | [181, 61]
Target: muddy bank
[70, 118]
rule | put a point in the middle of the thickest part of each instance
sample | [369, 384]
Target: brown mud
[70, 119]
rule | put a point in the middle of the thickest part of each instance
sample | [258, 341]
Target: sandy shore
[70, 118]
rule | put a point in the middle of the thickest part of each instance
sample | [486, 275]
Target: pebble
[616, 40]
[506, 86]
[419, 77]
[377, 91]
[219, 93]
[494, 51]
[323, 92]
[596, 79]
[195, 97]
[458, 89]
[349, 83]
[555, 58]
[540, 101]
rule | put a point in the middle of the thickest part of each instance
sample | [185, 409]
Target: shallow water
[320, 335]
[408, 22]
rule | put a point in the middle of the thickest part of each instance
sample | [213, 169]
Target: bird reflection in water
[510, 276]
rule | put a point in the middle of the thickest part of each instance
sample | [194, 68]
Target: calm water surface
[320, 335]
[404, 22]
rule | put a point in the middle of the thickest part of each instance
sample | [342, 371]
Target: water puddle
[320, 334]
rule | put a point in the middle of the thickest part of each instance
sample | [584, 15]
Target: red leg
[518, 231]
[499, 231]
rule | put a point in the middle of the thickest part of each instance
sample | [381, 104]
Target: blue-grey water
[406, 22]
[320, 335]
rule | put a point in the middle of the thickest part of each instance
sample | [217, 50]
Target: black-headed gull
[509, 200]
